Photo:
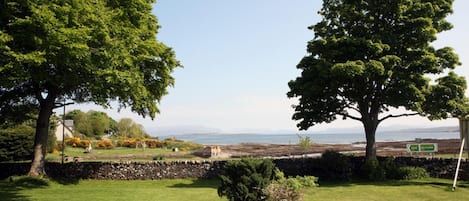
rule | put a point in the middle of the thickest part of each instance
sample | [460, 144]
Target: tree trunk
[40, 139]
[370, 124]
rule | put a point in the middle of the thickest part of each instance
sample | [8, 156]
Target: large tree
[127, 128]
[85, 51]
[369, 56]
[92, 123]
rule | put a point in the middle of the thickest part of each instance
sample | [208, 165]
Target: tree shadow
[199, 183]
[443, 185]
[10, 188]
[11, 193]
[26, 182]
[65, 180]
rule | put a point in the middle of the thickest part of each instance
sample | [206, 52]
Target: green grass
[119, 154]
[86, 190]
[415, 190]
[464, 156]
[25, 189]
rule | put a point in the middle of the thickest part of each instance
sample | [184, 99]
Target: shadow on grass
[199, 183]
[11, 187]
[9, 192]
[29, 182]
[444, 185]
[65, 180]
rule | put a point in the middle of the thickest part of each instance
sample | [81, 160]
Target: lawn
[416, 190]
[119, 154]
[87, 190]
[205, 190]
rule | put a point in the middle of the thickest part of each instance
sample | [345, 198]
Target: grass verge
[203, 190]
[121, 154]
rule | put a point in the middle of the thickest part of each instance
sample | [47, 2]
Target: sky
[238, 57]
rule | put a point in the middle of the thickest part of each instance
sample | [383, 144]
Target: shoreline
[291, 139]
[387, 148]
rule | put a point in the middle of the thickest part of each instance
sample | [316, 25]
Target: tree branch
[351, 117]
[400, 115]
[59, 105]
[353, 108]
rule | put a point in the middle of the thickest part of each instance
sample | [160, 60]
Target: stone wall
[436, 167]
[121, 170]
[441, 168]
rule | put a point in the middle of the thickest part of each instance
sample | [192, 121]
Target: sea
[325, 138]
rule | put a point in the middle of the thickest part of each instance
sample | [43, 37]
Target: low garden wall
[121, 170]
[436, 167]
[440, 168]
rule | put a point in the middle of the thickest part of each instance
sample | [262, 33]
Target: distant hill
[427, 130]
[397, 128]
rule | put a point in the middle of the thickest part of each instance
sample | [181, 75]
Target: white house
[68, 129]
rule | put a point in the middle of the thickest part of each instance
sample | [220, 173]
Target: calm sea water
[332, 138]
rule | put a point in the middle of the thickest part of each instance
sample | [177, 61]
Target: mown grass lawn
[120, 153]
[415, 190]
[205, 190]
[88, 190]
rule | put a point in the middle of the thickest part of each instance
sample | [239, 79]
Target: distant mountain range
[397, 128]
[427, 130]
[181, 130]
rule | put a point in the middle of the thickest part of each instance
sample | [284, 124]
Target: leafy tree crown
[367, 58]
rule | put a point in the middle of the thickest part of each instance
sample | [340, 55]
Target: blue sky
[238, 57]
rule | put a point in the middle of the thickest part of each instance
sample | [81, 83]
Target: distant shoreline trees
[95, 124]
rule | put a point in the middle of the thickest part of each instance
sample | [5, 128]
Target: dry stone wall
[440, 168]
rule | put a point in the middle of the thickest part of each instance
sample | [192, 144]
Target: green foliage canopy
[16, 143]
[92, 123]
[87, 51]
[246, 179]
[95, 51]
[373, 55]
[127, 128]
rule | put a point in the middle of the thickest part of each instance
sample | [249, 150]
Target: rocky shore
[394, 148]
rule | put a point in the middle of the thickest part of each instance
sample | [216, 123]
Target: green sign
[413, 147]
[430, 147]
[424, 147]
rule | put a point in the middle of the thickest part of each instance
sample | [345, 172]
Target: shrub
[131, 143]
[281, 192]
[334, 166]
[246, 179]
[181, 145]
[289, 189]
[388, 169]
[391, 169]
[104, 144]
[153, 143]
[372, 170]
[74, 141]
[77, 142]
[304, 142]
[16, 143]
[409, 173]
[84, 143]
[302, 182]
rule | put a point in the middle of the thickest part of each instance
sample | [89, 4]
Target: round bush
[246, 179]
[334, 166]
[16, 143]
[409, 173]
